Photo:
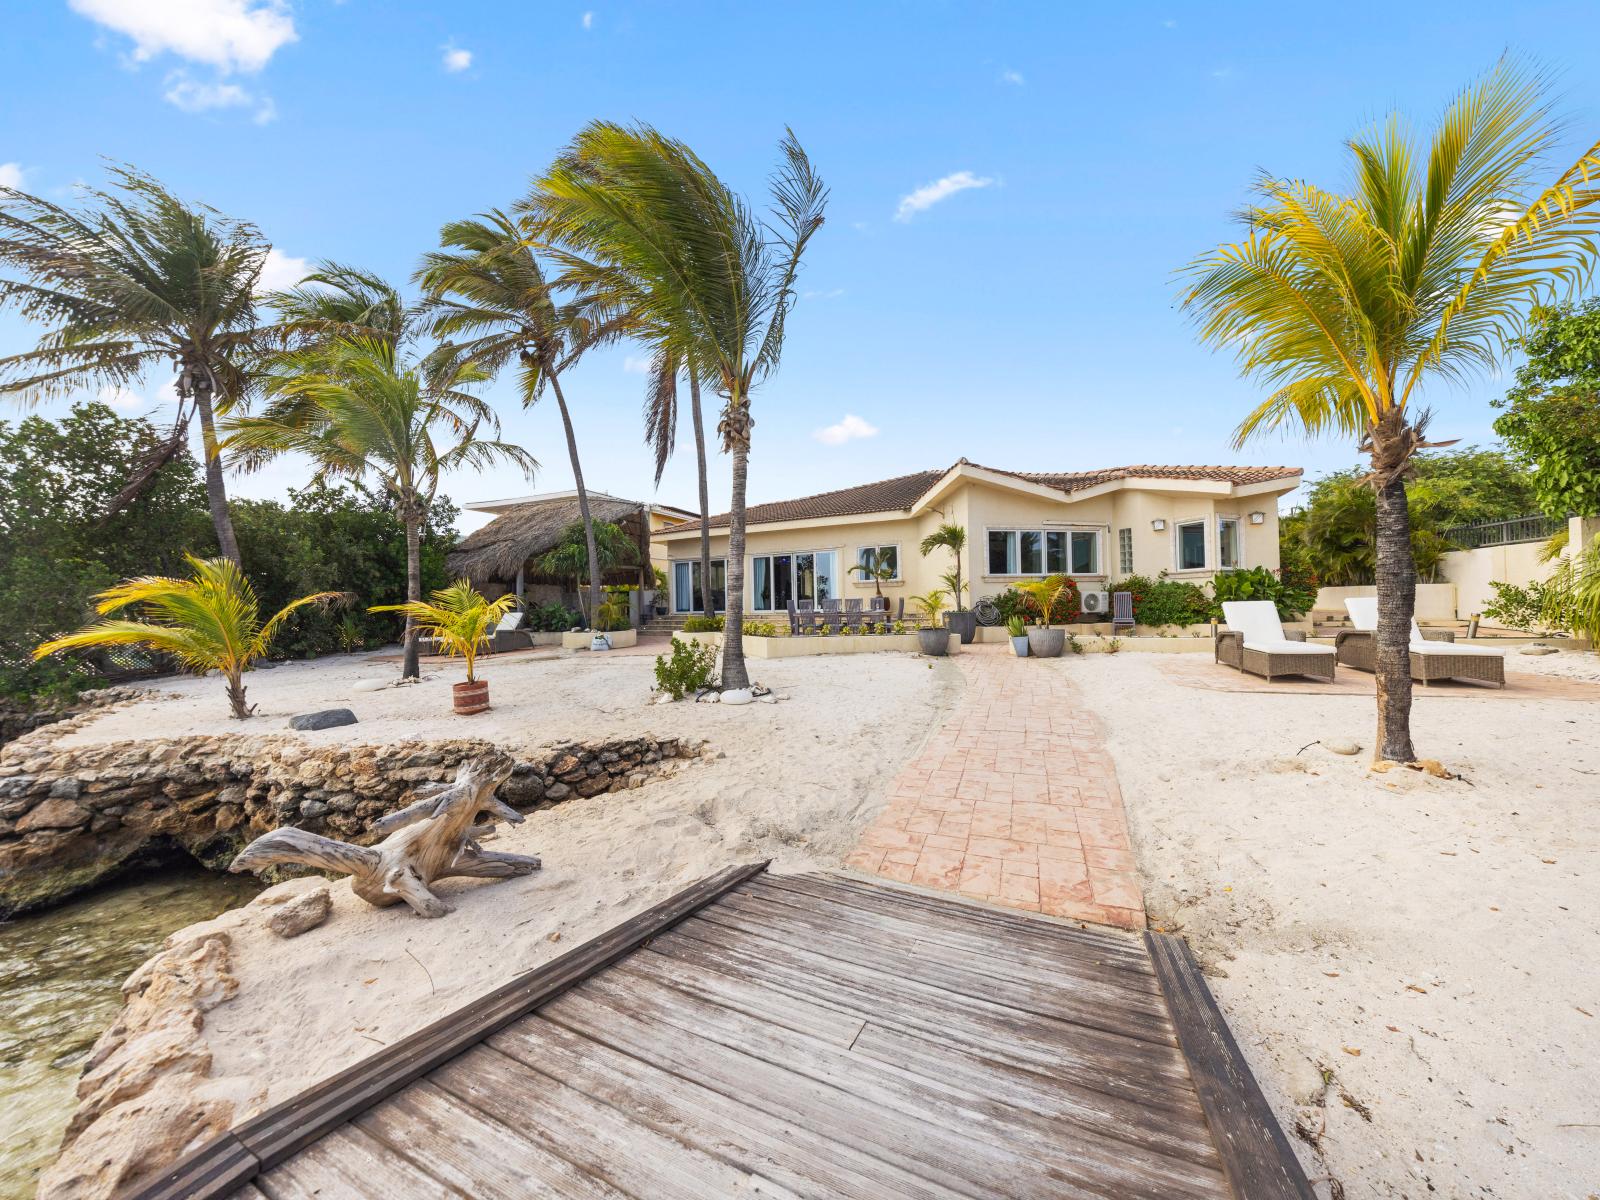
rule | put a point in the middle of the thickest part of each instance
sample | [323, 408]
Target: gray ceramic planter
[963, 622]
[1047, 643]
[1019, 646]
[935, 641]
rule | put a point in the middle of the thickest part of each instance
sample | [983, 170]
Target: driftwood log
[436, 837]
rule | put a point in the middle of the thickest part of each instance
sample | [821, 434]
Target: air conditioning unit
[1097, 602]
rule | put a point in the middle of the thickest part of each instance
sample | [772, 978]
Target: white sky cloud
[823, 294]
[847, 430]
[588, 23]
[281, 271]
[230, 35]
[455, 58]
[193, 96]
[1014, 78]
[121, 397]
[637, 364]
[11, 175]
[928, 195]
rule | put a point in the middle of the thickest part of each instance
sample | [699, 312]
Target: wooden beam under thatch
[500, 548]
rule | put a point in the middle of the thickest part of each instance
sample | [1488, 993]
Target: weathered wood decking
[792, 1036]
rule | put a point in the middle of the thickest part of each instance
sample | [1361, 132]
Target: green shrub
[702, 624]
[1016, 626]
[692, 667]
[551, 618]
[1160, 602]
[761, 628]
[1292, 593]
[1013, 602]
[1521, 607]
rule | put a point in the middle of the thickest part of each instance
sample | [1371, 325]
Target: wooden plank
[1067, 1052]
[284, 1129]
[249, 1192]
[809, 1163]
[989, 1103]
[348, 1164]
[598, 1139]
[269, 1138]
[1069, 969]
[473, 1152]
[217, 1168]
[1260, 1163]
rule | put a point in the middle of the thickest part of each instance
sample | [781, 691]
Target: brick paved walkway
[1014, 801]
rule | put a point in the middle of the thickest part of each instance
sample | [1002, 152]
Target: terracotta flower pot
[470, 698]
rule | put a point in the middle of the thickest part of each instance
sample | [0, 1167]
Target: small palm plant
[879, 565]
[209, 623]
[458, 617]
[931, 604]
[1043, 596]
[953, 538]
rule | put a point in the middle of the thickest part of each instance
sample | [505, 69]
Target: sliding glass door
[687, 594]
[805, 578]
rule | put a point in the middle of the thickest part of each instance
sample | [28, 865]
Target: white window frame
[791, 555]
[1238, 542]
[1207, 554]
[1014, 551]
[898, 559]
[693, 564]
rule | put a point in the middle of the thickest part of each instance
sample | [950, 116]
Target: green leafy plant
[691, 667]
[1517, 607]
[953, 538]
[1114, 645]
[1051, 599]
[1073, 643]
[761, 628]
[1292, 598]
[551, 618]
[569, 557]
[211, 622]
[1162, 602]
[1571, 598]
[700, 624]
[931, 604]
[1016, 626]
[458, 617]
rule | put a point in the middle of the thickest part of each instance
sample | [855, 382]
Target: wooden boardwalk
[793, 1036]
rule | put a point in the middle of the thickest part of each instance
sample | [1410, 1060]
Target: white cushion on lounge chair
[1364, 612]
[1288, 647]
[1454, 648]
[509, 622]
[1258, 621]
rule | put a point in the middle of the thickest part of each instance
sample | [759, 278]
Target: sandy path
[1428, 945]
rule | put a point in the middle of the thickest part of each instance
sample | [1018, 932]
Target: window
[1044, 552]
[1002, 552]
[687, 596]
[1125, 550]
[1192, 546]
[1228, 543]
[873, 557]
[806, 577]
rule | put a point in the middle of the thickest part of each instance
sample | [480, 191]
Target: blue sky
[1013, 186]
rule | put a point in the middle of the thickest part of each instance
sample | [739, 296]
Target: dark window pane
[1192, 546]
[1030, 560]
[1001, 542]
[761, 583]
[1055, 553]
[1083, 555]
[890, 557]
[782, 581]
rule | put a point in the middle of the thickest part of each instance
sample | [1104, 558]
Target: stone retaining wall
[72, 818]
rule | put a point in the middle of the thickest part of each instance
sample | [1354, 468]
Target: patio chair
[1434, 654]
[1121, 613]
[507, 635]
[829, 604]
[1255, 642]
[853, 604]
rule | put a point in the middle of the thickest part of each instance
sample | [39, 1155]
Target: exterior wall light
[1158, 524]
[1258, 518]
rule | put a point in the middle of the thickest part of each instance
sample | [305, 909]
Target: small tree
[209, 623]
[1552, 417]
[569, 557]
[458, 617]
[1046, 595]
[953, 538]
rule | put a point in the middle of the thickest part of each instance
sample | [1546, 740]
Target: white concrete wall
[1435, 601]
[1472, 571]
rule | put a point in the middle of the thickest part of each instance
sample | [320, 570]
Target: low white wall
[1435, 601]
[619, 637]
[1472, 571]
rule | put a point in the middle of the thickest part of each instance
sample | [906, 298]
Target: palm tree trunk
[216, 489]
[734, 673]
[705, 501]
[241, 711]
[1397, 602]
[413, 522]
[583, 502]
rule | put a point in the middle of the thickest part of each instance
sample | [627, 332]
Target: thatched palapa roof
[498, 550]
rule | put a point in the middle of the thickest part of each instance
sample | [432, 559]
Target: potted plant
[932, 638]
[954, 539]
[1043, 596]
[1019, 636]
[460, 620]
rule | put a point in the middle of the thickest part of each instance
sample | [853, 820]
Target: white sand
[1445, 930]
[798, 781]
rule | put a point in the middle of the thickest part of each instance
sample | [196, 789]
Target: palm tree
[661, 434]
[135, 281]
[589, 550]
[639, 217]
[458, 617]
[953, 538]
[355, 406]
[209, 623]
[337, 300]
[487, 286]
[1345, 306]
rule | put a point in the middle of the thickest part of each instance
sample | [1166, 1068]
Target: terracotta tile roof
[899, 493]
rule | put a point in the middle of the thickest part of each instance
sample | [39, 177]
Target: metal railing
[1535, 528]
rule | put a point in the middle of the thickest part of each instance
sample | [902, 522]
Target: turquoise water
[60, 973]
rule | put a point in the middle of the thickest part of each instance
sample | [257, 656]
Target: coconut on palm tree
[638, 215]
[1346, 306]
[487, 297]
[211, 622]
[356, 407]
[133, 282]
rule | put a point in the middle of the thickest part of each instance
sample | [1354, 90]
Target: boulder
[370, 685]
[328, 718]
[303, 913]
[1538, 650]
[55, 814]
[737, 696]
[1341, 746]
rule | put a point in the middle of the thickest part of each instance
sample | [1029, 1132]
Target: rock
[1538, 650]
[312, 809]
[665, 698]
[55, 814]
[708, 698]
[766, 698]
[66, 788]
[371, 685]
[557, 791]
[1341, 746]
[737, 696]
[328, 718]
[303, 913]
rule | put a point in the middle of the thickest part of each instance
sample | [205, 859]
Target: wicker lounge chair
[1255, 642]
[1121, 613]
[1434, 654]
